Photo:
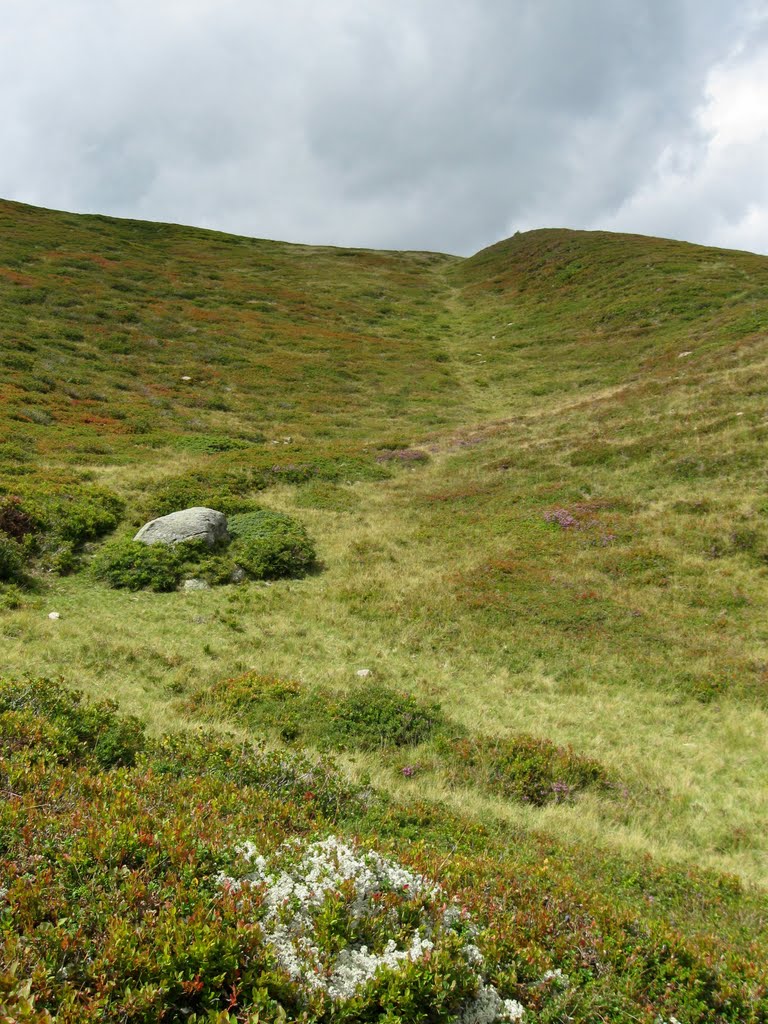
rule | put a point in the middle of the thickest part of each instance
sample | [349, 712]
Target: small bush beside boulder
[136, 566]
[269, 545]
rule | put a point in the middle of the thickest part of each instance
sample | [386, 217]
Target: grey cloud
[440, 125]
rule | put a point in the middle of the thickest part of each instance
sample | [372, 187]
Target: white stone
[363, 673]
[196, 585]
[197, 523]
[54, 615]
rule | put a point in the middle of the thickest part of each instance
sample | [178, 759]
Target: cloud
[440, 125]
[716, 191]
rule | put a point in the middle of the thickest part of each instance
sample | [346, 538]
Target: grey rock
[196, 585]
[204, 524]
[237, 575]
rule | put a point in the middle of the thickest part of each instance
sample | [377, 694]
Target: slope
[536, 480]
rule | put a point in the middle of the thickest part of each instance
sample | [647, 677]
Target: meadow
[534, 638]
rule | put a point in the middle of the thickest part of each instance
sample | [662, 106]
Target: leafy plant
[524, 768]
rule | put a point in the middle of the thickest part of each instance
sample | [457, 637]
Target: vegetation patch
[53, 523]
[270, 545]
[219, 876]
[265, 545]
[522, 768]
[132, 565]
[326, 497]
[371, 718]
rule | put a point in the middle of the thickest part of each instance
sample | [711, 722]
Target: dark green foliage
[379, 717]
[54, 522]
[75, 513]
[208, 444]
[270, 545]
[137, 566]
[11, 559]
[523, 768]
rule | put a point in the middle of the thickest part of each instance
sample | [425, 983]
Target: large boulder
[204, 524]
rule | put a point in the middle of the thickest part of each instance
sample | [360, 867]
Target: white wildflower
[298, 885]
[488, 1008]
[556, 977]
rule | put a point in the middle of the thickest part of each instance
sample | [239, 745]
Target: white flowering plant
[356, 936]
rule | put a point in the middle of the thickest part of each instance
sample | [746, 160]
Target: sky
[404, 124]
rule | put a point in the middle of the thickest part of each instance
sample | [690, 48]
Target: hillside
[536, 484]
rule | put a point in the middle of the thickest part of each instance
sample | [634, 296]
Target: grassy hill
[536, 482]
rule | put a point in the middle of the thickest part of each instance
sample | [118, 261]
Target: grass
[535, 480]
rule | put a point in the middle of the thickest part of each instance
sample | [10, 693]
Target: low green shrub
[224, 490]
[380, 717]
[208, 444]
[270, 545]
[75, 513]
[132, 565]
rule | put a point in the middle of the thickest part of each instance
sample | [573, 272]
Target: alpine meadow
[468, 719]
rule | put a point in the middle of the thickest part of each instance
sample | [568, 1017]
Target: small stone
[237, 575]
[54, 615]
[196, 585]
[681, 355]
[186, 378]
[363, 673]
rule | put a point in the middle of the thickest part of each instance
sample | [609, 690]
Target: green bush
[368, 719]
[132, 565]
[75, 514]
[270, 545]
[223, 490]
[380, 717]
[11, 559]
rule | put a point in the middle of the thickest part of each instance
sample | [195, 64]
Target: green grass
[536, 483]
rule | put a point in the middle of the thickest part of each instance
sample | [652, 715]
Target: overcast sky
[423, 124]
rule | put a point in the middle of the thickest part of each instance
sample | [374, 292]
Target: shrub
[366, 720]
[45, 715]
[380, 717]
[269, 545]
[135, 566]
[523, 768]
[73, 514]
[224, 490]
[11, 560]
